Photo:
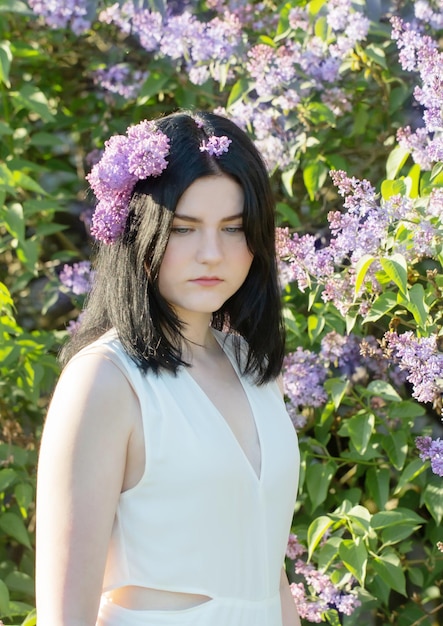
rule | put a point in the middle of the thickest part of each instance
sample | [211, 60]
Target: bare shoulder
[93, 393]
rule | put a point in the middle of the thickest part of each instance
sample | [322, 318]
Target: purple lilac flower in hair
[126, 160]
[215, 146]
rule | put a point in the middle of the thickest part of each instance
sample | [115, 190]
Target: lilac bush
[344, 99]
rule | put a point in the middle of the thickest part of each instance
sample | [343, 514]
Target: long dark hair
[125, 295]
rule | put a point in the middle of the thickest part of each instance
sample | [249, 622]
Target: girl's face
[206, 259]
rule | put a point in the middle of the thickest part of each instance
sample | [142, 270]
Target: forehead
[213, 195]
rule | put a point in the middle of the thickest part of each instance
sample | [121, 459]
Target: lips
[207, 281]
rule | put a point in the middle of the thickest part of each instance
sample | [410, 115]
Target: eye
[233, 229]
[180, 230]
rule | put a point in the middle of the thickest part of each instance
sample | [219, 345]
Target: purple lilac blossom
[431, 449]
[421, 359]
[78, 277]
[424, 12]
[294, 549]
[298, 17]
[74, 325]
[216, 146]
[69, 14]
[419, 53]
[220, 39]
[364, 228]
[304, 375]
[324, 594]
[120, 79]
[126, 159]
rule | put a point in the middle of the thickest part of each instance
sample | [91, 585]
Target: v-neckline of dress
[257, 476]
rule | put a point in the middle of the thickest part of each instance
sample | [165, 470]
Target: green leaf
[415, 303]
[354, 555]
[381, 305]
[287, 177]
[316, 531]
[4, 599]
[27, 254]
[314, 6]
[414, 177]
[333, 617]
[397, 533]
[321, 28]
[239, 89]
[383, 390]
[14, 221]
[360, 428]
[31, 619]
[391, 188]
[396, 447]
[385, 519]
[13, 526]
[26, 182]
[376, 54]
[35, 101]
[314, 175]
[377, 484]
[21, 582]
[318, 478]
[433, 498]
[5, 62]
[397, 270]
[351, 318]
[24, 495]
[437, 170]
[7, 477]
[361, 268]
[14, 6]
[336, 388]
[396, 159]
[411, 471]
[406, 409]
[388, 567]
[316, 323]
[152, 86]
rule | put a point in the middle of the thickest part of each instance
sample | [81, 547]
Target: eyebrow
[196, 220]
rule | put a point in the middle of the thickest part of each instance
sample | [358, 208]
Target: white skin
[92, 448]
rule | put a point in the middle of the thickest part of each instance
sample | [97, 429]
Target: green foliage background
[368, 507]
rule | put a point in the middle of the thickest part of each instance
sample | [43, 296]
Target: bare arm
[81, 470]
[289, 611]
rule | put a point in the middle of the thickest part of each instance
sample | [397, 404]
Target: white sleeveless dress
[200, 520]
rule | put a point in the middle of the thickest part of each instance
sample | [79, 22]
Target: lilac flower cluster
[421, 359]
[78, 278]
[304, 375]
[69, 14]
[294, 549]
[321, 594]
[316, 594]
[216, 146]
[126, 159]
[368, 226]
[431, 449]
[120, 79]
[419, 53]
[298, 68]
[74, 325]
[424, 12]
[202, 46]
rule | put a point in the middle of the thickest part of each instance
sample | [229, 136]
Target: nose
[209, 247]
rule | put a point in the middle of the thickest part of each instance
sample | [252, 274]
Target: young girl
[169, 467]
